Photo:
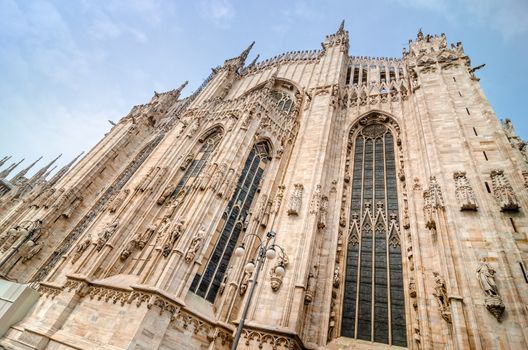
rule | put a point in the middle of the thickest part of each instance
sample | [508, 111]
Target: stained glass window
[208, 282]
[373, 305]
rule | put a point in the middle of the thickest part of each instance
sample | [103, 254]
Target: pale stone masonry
[397, 197]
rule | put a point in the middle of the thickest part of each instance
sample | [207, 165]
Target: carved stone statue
[244, 283]
[105, 234]
[118, 200]
[310, 288]
[486, 278]
[463, 191]
[29, 249]
[80, 249]
[440, 294]
[174, 235]
[195, 245]
[336, 279]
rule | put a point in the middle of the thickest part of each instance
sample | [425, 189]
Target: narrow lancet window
[373, 305]
[207, 282]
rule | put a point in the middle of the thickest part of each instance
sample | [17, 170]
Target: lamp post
[265, 250]
[26, 229]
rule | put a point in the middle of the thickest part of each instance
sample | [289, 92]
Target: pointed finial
[44, 169]
[182, 86]
[245, 53]
[420, 34]
[23, 172]
[254, 62]
[6, 172]
[341, 27]
[49, 172]
[5, 159]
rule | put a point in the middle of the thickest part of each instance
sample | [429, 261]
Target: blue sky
[66, 67]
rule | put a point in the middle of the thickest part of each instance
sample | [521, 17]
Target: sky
[67, 67]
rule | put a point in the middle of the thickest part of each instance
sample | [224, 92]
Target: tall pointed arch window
[211, 140]
[207, 282]
[373, 305]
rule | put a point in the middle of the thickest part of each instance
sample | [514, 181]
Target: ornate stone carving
[105, 234]
[433, 200]
[486, 278]
[463, 191]
[503, 192]
[315, 203]
[262, 339]
[296, 200]
[195, 245]
[440, 294]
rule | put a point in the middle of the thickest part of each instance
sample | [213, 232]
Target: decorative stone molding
[486, 278]
[433, 200]
[262, 339]
[463, 191]
[503, 191]
[296, 200]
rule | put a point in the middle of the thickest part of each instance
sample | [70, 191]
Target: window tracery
[373, 305]
[284, 101]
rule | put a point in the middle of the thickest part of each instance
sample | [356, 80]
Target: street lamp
[265, 250]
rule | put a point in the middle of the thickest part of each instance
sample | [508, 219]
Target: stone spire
[63, 170]
[23, 172]
[5, 159]
[182, 86]
[238, 62]
[245, 53]
[341, 29]
[49, 171]
[6, 172]
[43, 171]
[254, 62]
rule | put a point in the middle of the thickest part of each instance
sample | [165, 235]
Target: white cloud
[220, 12]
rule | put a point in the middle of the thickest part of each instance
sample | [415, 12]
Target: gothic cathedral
[313, 200]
